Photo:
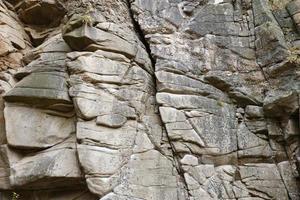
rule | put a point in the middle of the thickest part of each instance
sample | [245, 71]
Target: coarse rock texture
[149, 99]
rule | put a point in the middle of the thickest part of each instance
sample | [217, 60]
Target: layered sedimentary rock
[149, 99]
[226, 81]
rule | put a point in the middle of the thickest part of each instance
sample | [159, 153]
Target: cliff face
[149, 99]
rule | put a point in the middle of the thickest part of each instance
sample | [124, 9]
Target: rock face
[149, 99]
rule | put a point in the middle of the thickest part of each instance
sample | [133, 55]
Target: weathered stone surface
[90, 103]
[114, 121]
[263, 180]
[13, 39]
[251, 146]
[290, 182]
[255, 120]
[270, 43]
[149, 99]
[40, 89]
[280, 103]
[8, 157]
[160, 184]
[86, 37]
[210, 103]
[51, 168]
[31, 128]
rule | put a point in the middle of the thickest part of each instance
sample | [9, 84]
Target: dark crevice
[178, 167]
[140, 34]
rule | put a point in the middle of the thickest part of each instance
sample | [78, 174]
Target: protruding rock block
[105, 36]
[41, 90]
[81, 38]
[262, 12]
[271, 46]
[30, 128]
[52, 168]
[281, 103]
[102, 167]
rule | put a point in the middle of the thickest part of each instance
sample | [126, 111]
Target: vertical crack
[143, 39]
[140, 34]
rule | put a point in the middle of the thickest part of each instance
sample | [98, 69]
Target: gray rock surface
[48, 131]
[149, 99]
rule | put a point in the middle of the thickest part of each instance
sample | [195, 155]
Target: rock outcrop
[149, 99]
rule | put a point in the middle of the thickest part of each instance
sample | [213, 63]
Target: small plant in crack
[86, 18]
[78, 19]
[15, 196]
[277, 4]
[220, 103]
[294, 56]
